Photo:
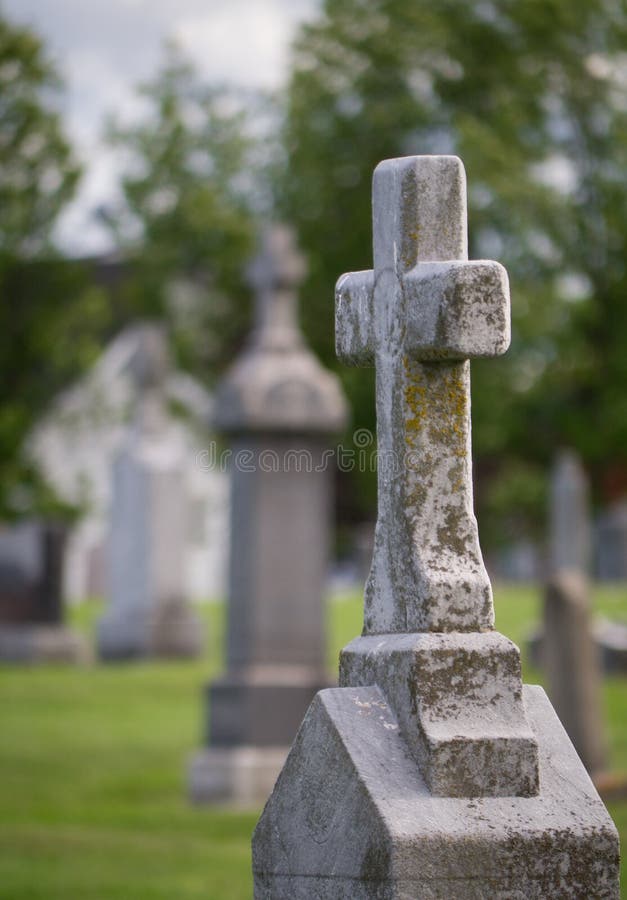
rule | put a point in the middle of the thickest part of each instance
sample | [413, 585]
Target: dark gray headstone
[31, 595]
[31, 567]
[611, 543]
[279, 410]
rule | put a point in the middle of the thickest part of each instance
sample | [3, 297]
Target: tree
[533, 96]
[189, 216]
[37, 171]
[47, 316]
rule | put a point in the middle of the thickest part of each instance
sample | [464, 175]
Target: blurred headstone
[570, 553]
[611, 543]
[431, 772]
[570, 530]
[519, 562]
[31, 607]
[570, 653]
[572, 665]
[279, 410]
[75, 446]
[148, 613]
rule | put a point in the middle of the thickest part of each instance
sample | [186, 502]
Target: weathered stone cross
[430, 771]
[419, 317]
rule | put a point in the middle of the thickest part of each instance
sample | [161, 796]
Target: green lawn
[93, 763]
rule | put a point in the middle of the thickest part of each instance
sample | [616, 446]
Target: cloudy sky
[103, 48]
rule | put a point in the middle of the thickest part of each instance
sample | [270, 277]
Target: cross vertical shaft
[420, 316]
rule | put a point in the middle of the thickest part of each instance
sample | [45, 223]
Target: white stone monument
[75, 444]
[431, 772]
[148, 613]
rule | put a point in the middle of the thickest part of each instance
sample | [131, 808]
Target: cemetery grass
[93, 762]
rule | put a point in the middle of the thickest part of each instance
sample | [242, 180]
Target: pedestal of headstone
[279, 409]
[431, 772]
[31, 609]
[148, 614]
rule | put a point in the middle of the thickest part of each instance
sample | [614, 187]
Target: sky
[104, 48]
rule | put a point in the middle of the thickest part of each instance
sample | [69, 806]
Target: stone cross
[431, 771]
[275, 275]
[419, 317]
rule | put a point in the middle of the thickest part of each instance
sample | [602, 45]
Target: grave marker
[31, 607]
[279, 409]
[429, 773]
[569, 648]
[148, 613]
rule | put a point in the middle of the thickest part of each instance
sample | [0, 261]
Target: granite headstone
[31, 604]
[279, 410]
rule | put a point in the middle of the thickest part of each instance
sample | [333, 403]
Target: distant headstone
[573, 666]
[430, 772]
[611, 543]
[520, 561]
[148, 613]
[571, 655]
[570, 530]
[31, 608]
[279, 409]
[82, 433]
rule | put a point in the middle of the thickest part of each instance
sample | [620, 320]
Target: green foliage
[188, 219]
[47, 313]
[533, 96]
[511, 503]
[50, 322]
[37, 172]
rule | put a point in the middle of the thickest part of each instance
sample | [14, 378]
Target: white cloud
[241, 42]
[103, 48]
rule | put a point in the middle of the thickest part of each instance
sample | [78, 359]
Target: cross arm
[457, 310]
[354, 318]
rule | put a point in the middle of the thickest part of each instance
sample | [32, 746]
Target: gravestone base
[261, 709]
[253, 717]
[238, 776]
[458, 701]
[351, 818]
[172, 633]
[30, 643]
